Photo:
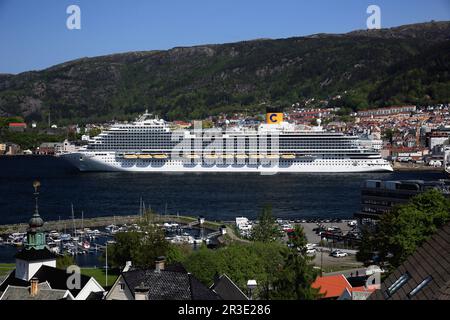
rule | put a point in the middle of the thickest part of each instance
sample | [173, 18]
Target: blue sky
[33, 34]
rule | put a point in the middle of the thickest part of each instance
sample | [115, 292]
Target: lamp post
[321, 259]
[251, 285]
[106, 264]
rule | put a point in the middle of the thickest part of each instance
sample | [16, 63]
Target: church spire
[35, 234]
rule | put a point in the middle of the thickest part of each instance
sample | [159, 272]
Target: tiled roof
[427, 271]
[332, 286]
[57, 278]
[23, 293]
[227, 289]
[172, 283]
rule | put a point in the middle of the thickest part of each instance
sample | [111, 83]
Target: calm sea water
[215, 196]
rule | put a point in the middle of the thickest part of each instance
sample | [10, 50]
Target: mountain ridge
[196, 81]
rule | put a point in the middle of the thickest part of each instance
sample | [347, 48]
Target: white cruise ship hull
[109, 162]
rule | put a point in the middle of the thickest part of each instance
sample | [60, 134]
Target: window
[398, 284]
[420, 286]
[121, 286]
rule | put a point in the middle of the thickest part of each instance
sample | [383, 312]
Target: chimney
[127, 267]
[34, 287]
[141, 292]
[160, 263]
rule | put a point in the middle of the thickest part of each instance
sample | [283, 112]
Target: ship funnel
[274, 115]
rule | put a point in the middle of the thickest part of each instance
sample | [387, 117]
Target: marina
[92, 242]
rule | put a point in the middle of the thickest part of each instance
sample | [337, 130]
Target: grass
[100, 275]
[6, 268]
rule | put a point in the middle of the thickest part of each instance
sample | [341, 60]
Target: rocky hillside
[407, 64]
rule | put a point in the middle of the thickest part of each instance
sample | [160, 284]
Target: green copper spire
[35, 234]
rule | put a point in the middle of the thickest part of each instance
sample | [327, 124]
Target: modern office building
[378, 197]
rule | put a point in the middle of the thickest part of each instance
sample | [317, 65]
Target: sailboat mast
[73, 221]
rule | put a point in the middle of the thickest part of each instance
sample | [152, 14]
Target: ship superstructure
[150, 144]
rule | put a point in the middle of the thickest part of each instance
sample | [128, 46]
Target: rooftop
[425, 275]
[171, 283]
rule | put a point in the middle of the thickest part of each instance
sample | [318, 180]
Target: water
[215, 196]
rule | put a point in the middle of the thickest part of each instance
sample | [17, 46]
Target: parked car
[311, 251]
[338, 254]
[352, 223]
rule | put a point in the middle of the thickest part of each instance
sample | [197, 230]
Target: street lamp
[106, 264]
[321, 258]
[251, 285]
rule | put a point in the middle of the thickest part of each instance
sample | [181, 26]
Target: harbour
[226, 195]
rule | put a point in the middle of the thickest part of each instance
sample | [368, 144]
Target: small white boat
[65, 237]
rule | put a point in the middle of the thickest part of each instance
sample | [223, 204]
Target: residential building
[338, 287]
[162, 282]
[386, 111]
[49, 148]
[36, 291]
[17, 126]
[425, 275]
[226, 289]
[12, 149]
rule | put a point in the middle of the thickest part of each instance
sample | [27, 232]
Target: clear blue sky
[33, 33]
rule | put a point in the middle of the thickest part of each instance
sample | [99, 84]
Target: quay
[97, 222]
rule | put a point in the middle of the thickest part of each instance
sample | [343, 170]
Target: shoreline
[414, 167]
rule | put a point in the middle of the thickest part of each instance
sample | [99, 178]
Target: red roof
[363, 289]
[17, 124]
[332, 286]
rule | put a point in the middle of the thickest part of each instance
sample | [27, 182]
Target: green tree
[122, 250]
[267, 229]
[63, 262]
[142, 248]
[403, 229]
[152, 244]
[241, 262]
[294, 278]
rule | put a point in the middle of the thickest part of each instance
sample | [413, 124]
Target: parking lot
[329, 263]
[315, 238]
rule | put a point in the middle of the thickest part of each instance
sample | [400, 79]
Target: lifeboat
[256, 156]
[227, 156]
[160, 156]
[272, 156]
[130, 156]
[144, 156]
[288, 156]
[192, 156]
[241, 156]
[210, 156]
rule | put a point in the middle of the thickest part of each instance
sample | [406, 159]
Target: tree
[266, 230]
[63, 262]
[122, 250]
[241, 262]
[294, 278]
[400, 231]
[152, 245]
[297, 239]
[142, 248]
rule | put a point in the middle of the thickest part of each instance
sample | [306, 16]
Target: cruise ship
[150, 144]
